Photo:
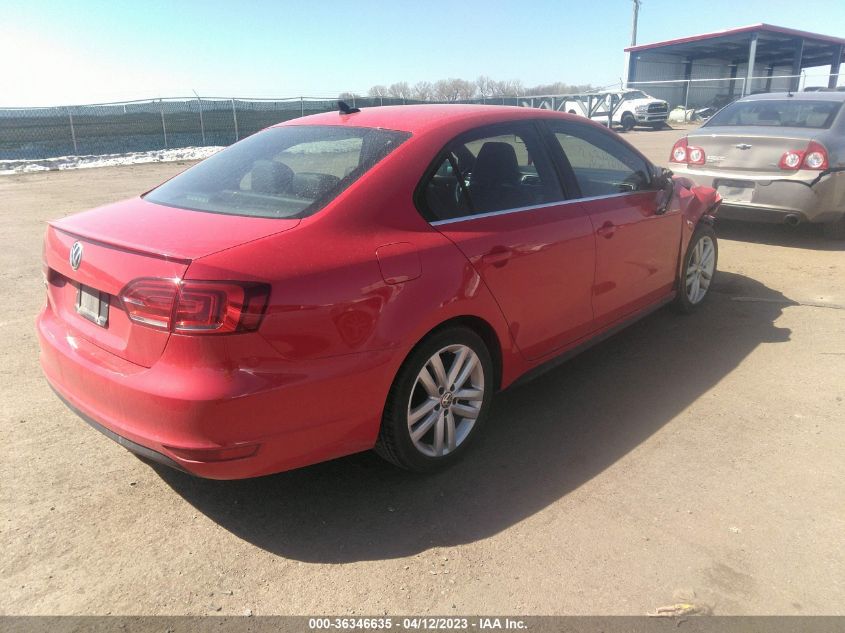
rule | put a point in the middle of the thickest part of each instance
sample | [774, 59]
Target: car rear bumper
[295, 413]
[802, 196]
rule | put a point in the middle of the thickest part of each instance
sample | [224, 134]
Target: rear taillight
[196, 307]
[791, 160]
[150, 301]
[682, 152]
[814, 157]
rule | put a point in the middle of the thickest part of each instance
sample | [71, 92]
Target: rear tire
[698, 270]
[835, 230]
[438, 401]
[628, 122]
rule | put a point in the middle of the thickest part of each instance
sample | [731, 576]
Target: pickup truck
[628, 108]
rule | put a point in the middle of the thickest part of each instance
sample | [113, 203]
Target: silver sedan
[777, 157]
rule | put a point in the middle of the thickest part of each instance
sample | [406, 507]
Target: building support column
[835, 65]
[797, 58]
[732, 82]
[687, 77]
[632, 68]
[769, 72]
[752, 58]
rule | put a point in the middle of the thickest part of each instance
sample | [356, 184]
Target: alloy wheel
[446, 400]
[700, 269]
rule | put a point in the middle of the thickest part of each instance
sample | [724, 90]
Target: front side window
[502, 169]
[284, 172]
[601, 165]
[777, 113]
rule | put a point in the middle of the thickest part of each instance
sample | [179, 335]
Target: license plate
[736, 191]
[92, 305]
[733, 193]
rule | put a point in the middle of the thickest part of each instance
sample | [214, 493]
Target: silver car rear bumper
[759, 197]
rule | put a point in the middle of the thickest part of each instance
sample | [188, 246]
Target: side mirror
[666, 186]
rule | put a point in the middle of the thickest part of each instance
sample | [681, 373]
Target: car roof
[422, 118]
[796, 96]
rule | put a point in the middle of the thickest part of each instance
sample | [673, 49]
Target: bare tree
[486, 86]
[400, 90]
[451, 90]
[558, 88]
[465, 89]
[377, 91]
[510, 88]
[422, 91]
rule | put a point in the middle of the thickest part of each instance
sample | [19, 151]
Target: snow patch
[8, 167]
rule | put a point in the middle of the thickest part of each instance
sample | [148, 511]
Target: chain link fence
[142, 126]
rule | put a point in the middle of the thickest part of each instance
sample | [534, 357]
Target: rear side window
[601, 164]
[285, 172]
[490, 170]
[777, 113]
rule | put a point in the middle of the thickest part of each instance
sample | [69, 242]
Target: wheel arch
[479, 326]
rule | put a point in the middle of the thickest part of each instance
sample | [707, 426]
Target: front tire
[628, 122]
[438, 401]
[699, 269]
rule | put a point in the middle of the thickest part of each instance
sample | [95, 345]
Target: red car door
[636, 245]
[496, 195]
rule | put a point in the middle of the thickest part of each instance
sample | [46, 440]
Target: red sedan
[358, 280]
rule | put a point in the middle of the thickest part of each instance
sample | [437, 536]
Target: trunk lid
[751, 149]
[125, 241]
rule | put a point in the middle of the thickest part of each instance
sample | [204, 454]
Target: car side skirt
[551, 364]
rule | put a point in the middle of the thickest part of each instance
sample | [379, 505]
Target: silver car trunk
[751, 149]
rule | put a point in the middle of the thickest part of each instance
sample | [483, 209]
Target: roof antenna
[346, 109]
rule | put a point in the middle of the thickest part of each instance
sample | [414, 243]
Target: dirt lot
[696, 459]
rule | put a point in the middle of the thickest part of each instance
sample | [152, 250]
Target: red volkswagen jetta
[355, 280]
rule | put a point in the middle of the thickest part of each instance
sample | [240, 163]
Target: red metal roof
[769, 28]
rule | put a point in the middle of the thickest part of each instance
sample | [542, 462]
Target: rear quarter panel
[331, 295]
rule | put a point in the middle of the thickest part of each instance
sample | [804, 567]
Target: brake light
[791, 160]
[679, 151]
[196, 307]
[682, 152]
[814, 157]
[696, 156]
[150, 302]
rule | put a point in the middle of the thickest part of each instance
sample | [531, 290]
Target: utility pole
[634, 17]
[637, 4]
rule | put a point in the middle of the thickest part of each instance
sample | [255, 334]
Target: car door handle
[606, 230]
[498, 257]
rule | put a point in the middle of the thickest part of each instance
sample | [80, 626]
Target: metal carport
[757, 58]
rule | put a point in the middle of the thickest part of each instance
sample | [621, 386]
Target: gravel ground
[688, 459]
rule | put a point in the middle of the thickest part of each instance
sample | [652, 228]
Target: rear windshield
[775, 113]
[284, 172]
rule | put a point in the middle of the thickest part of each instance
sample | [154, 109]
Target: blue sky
[62, 51]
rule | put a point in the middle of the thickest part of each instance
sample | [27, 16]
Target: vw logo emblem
[75, 257]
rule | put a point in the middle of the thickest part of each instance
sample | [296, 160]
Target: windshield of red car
[777, 113]
[284, 172]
